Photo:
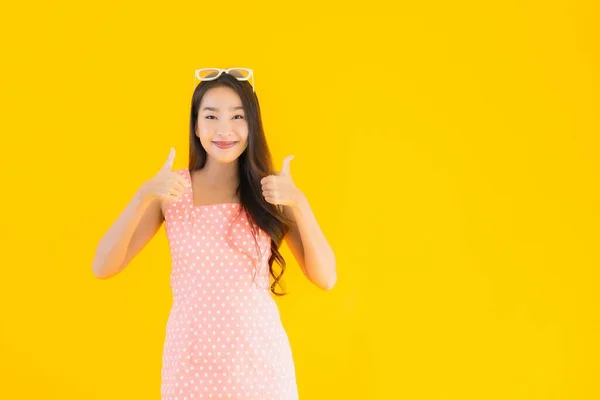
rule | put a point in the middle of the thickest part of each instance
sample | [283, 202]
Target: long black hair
[254, 164]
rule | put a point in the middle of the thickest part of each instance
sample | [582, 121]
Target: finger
[167, 193]
[285, 170]
[267, 179]
[170, 198]
[273, 197]
[184, 181]
[168, 165]
[270, 180]
[271, 193]
[270, 200]
[176, 178]
[175, 183]
[176, 190]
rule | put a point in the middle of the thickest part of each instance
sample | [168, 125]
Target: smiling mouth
[225, 145]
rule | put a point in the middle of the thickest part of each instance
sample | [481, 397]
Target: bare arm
[127, 236]
[309, 245]
[139, 222]
[305, 239]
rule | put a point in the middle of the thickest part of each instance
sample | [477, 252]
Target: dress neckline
[189, 175]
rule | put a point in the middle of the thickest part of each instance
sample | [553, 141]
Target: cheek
[205, 139]
[243, 133]
[203, 127]
[204, 131]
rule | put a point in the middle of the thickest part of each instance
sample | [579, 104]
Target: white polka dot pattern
[224, 336]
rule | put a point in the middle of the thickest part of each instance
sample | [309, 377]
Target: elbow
[96, 270]
[98, 273]
[323, 282]
[101, 271]
[332, 276]
[326, 284]
[103, 275]
[329, 284]
[324, 275]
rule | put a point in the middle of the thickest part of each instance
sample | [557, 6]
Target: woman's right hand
[166, 185]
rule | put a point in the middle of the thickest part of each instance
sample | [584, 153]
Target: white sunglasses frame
[225, 70]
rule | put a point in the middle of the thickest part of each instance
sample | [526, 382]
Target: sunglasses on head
[210, 74]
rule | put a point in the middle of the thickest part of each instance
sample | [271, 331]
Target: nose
[224, 134]
[224, 129]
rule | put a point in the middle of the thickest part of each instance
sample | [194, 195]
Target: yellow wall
[449, 150]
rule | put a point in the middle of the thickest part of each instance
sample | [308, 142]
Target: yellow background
[448, 149]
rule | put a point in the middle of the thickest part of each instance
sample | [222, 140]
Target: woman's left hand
[280, 189]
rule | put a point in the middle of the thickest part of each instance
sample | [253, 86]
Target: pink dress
[224, 337]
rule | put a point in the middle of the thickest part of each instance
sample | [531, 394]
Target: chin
[224, 160]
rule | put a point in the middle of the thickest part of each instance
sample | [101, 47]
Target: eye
[241, 116]
[209, 116]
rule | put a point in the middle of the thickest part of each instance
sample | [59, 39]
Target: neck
[218, 174]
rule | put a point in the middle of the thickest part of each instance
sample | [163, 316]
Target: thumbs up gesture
[166, 185]
[280, 189]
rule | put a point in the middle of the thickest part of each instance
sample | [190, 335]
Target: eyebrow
[216, 109]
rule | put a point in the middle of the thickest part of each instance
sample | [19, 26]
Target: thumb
[168, 165]
[285, 170]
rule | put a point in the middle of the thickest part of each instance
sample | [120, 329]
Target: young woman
[226, 216]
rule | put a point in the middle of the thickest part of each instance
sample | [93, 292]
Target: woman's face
[222, 126]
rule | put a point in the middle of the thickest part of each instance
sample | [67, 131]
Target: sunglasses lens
[207, 73]
[240, 73]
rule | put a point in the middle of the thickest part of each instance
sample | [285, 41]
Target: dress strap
[189, 192]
